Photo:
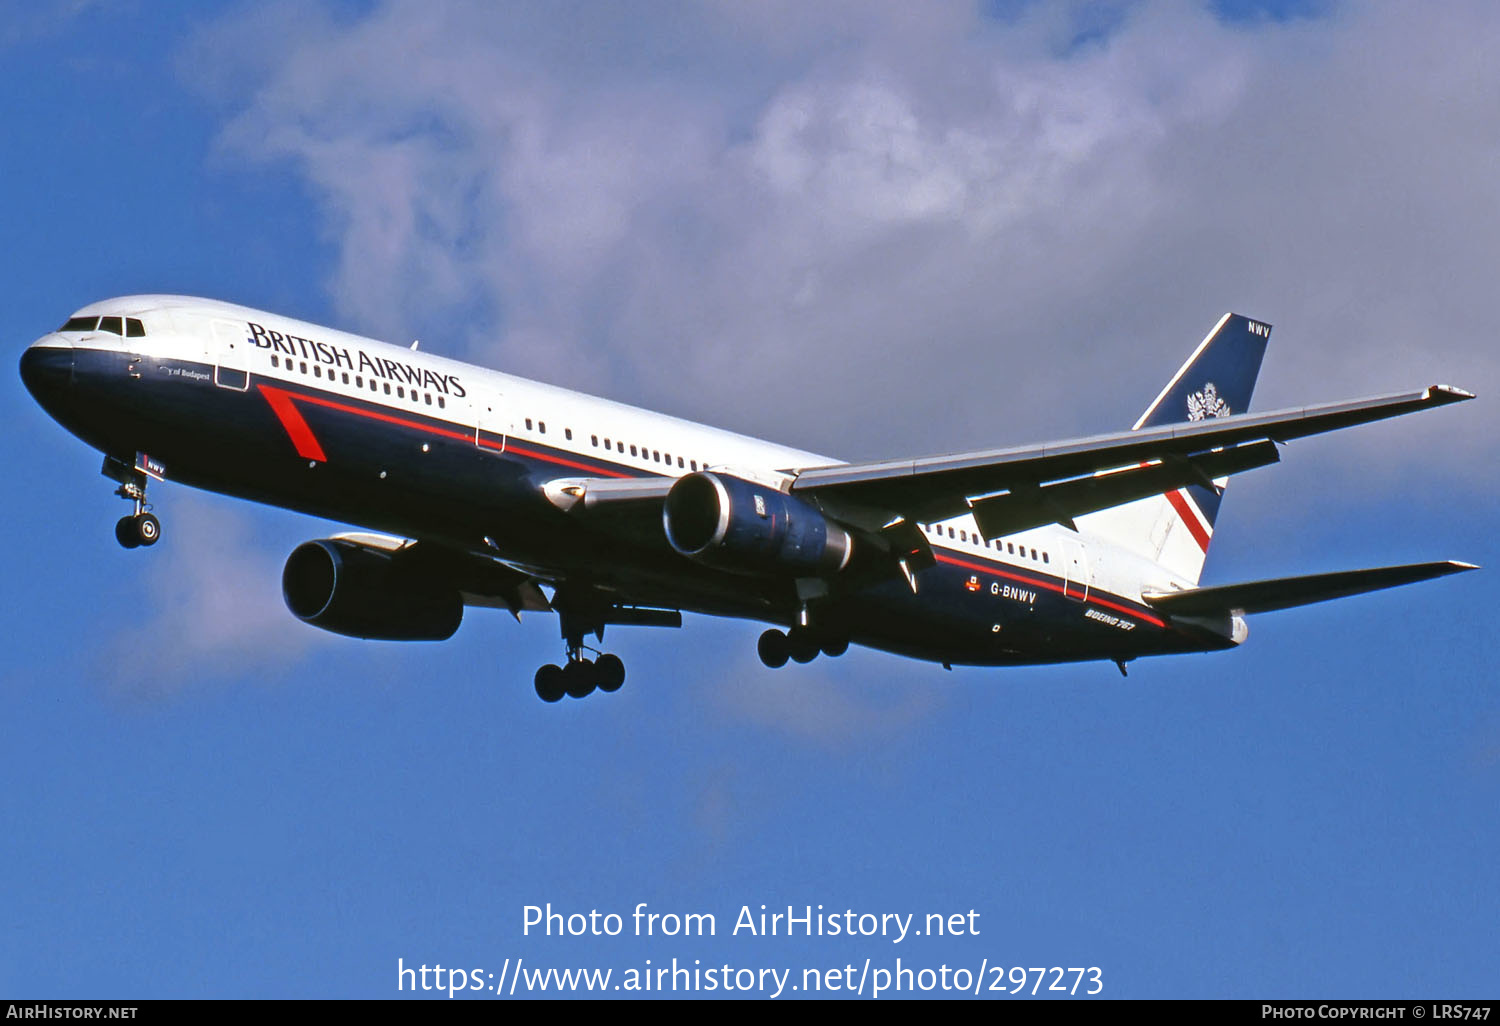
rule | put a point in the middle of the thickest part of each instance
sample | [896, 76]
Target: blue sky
[852, 229]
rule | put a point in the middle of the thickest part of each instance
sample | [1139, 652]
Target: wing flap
[1287, 592]
[1023, 508]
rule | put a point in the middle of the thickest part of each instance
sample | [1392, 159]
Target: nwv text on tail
[475, 488]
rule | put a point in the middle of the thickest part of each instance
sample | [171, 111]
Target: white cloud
[862, 228]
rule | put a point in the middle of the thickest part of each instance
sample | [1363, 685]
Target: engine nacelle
[363, 592]
[738, 525]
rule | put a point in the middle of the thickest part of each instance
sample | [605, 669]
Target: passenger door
[1075, 566]
[230, 356]
[491, 426]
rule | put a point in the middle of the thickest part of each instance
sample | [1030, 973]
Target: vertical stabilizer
[1217, 380]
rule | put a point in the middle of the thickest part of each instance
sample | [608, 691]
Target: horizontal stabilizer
[1286, 592]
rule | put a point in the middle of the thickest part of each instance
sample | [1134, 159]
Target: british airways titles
[358, 361]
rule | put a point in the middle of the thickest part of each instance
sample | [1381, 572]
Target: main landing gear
[581, 675]
[141, 527]
[800, 644]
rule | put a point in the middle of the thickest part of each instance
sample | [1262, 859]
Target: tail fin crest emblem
[1207, 403]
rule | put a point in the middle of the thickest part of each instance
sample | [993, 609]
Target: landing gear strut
[580, 676]
[141, 527]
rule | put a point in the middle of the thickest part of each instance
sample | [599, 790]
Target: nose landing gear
[141, 527]
[137, 530]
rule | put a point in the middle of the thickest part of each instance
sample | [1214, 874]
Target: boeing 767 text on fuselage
[475, 488]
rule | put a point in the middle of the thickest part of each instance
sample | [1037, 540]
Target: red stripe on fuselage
[282, 404]
[286, 411]
[1036, 583]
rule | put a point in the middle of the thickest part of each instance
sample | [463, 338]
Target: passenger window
[387, 388]
[317, 371]
[346, 379]
[950, 532]
[655, 455]
[595, 440]
[441, 404]
[679, 463]
[541, 426]
[304, 366]
[632, 450]
[568, 433]
[359, 381]
[275, 360]
[134, 328]
[111, 325]
[427, 396]
[1046, 558]
[1033, 553]
[528, 423]
[694, 465]
[400, 391]
[1012, 547]
[963, 536]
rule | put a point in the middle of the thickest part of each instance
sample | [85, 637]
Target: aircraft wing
[1287, 592]
[1013, 489]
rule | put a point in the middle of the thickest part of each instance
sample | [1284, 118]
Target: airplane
[470, 487]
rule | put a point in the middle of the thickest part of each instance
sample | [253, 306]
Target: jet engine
[363, 592]
[738, 525]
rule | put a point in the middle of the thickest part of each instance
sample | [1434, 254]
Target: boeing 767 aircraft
[475, 488]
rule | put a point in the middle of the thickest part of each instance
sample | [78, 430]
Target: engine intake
[738, 525]
[362, 592]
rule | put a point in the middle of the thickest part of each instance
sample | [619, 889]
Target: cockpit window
[130, 327]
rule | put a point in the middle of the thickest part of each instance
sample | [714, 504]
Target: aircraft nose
[47, 370]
